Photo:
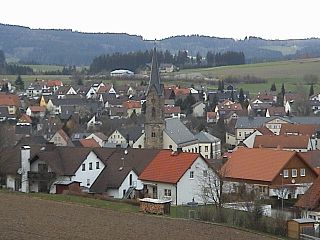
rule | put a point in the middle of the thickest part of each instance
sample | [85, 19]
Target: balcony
[41, 176]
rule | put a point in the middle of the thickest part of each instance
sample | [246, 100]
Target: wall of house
[296, 163]
[113, 193]
[231, 139]
[126, 183]
[140, 142]
[249, 141]
[87, 177]
[161, 190]
[58, 140]
[275, 125]
[243, 133]
[116, 137]
[190, 188]
[198, 111]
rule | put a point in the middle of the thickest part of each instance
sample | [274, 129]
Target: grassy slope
[288, 72]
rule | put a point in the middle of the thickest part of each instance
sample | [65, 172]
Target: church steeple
[154, 124]
[154, 75]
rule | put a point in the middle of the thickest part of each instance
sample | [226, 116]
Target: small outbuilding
[156, 206]
[300, 226]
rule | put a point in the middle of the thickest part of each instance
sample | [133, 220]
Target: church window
[153, 134]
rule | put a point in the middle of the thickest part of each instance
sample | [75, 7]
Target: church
[170, 133]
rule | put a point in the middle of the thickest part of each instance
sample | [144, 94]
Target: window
[206, 156]
[294, 173]
[206, 148]
[83, 167]
[153, 134]
[191, 174]
[97, 165]
[285, 173]
[302, 172]
[88, 182]
[167, 192]
[199, 149]
[90, 166]
[139, 146]
[205, 173]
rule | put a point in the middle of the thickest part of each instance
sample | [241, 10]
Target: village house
[99, 137]
[268, 173]
[249, 141]
[132, 107]
[60, 138]
[198, 109]
[309, 203]
[175, 176]
[63, 91]
[36, 111]
[298, 143]
[11, 102]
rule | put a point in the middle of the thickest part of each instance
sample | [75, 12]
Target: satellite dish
[20, 171]
[126, 152]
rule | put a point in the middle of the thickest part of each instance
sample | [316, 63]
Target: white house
[198, 109]
[176, 176]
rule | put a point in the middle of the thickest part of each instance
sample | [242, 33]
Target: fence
[251, 220]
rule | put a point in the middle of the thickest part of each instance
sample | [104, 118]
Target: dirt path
[23, 217]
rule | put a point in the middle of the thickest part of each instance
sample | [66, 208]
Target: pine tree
[241, 96]
[273, 87]
[311, 91]
[19, 83]
[283, 91]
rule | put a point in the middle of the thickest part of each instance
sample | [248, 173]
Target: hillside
[66, 47]
[25, 217]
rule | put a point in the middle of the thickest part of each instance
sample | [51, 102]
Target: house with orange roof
[132, 106]
[176, 176]
[309, 203]
[268, 172]
[11, 101]
[172, 111]
[300, 143]
[36, 111]
[25, 119]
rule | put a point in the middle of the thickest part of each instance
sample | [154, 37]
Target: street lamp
[282, 192]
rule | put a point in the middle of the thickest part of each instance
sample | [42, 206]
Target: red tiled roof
[131, 104]
[181, 91]
[211, 115]
[169, 109]
[89, 143]
[311, 199]
[265, 131]
[276, 111]
[167, 167]
[25, 119]
[256, 163]
[52, 83]
[37, 108]
[282, 141]
[298, 129]
[9, 100]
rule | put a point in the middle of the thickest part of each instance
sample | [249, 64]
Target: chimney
[25, 168]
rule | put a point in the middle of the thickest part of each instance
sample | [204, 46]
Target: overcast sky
[270, 19]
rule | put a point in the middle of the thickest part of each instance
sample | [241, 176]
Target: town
[186, 146]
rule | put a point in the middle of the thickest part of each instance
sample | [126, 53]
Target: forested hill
[66, 47]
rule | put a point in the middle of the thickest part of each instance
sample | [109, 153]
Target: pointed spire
[154, 75]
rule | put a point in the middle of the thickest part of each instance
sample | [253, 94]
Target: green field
[290, 73]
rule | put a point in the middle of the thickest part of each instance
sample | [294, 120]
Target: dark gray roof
[119, 164]
[204, 137]
[154, 75]
[255, 122]
[178, 132]
[4, 112]
[132, 133]
[24, 129]
[67, 111]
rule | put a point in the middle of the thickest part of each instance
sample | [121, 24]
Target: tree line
[134, 61]
[12, 69]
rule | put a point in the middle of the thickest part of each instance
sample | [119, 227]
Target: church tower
[154, 124]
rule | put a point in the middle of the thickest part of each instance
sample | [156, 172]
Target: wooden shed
[156, 206]
[299, 226]
[72, 186]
